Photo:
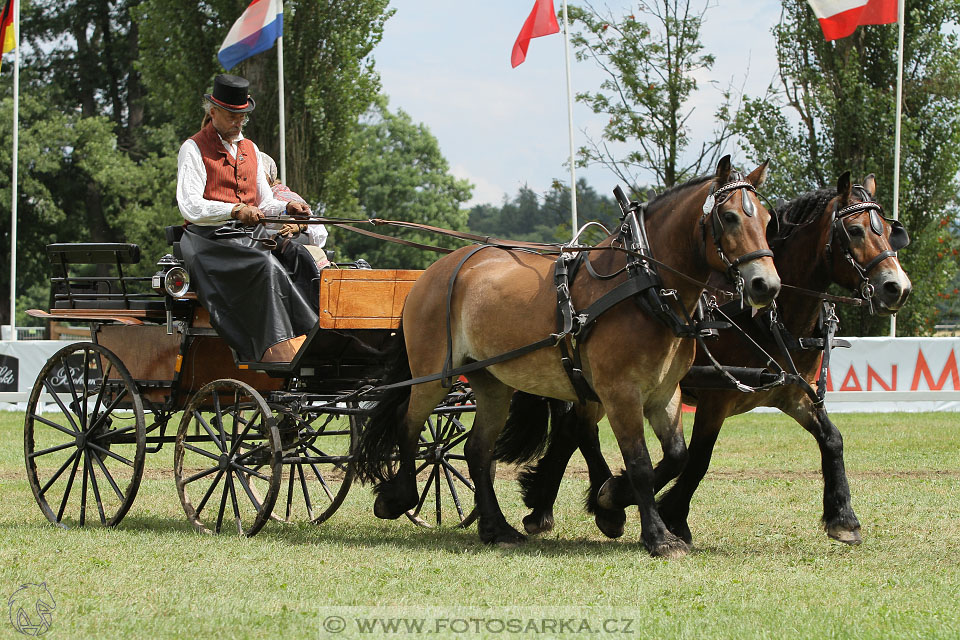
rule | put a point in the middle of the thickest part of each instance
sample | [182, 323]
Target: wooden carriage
[246, 429]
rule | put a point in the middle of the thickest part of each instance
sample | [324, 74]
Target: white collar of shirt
[231, 147]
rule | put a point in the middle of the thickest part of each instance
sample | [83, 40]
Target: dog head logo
[30, 609]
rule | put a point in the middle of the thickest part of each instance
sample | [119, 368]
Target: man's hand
[298, 209]
[289, 229]
[247, 215]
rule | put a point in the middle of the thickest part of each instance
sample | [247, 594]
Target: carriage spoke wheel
[227, 459]
[317, 473]
[443, 481]
[85, 452]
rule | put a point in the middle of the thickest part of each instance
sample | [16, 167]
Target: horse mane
[807, 207]
[672, 191]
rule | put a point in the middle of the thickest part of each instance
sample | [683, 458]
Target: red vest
[228, 179]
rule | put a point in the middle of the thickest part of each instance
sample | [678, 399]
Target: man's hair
[208, 113]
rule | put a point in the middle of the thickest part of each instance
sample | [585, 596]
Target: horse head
[862, 246]
[735, 222]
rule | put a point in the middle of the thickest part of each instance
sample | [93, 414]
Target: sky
[447, 64]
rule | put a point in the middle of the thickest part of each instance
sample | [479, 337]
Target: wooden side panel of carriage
[150, 354]
[364, 298]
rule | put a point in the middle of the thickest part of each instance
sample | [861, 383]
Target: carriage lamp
[172, 277]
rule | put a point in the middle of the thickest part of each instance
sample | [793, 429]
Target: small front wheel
[227, 461]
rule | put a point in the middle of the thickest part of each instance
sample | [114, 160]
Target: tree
[834, 111]
[651, 74]
[402, 176]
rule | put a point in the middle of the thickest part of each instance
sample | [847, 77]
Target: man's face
[227, 123]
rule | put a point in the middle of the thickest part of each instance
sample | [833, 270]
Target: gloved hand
[297, 209]
[247, 215]
[290, 228]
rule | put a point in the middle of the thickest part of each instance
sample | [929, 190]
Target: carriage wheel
[228, 465]
[97, 431]
[317, 450]
[442, 477]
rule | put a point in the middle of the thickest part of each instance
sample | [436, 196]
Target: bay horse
[825, 236]
[489, 300]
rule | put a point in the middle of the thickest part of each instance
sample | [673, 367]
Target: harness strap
[446, 378]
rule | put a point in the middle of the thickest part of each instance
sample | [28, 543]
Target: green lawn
[761, 567]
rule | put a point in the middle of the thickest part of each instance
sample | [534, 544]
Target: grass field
[761, 567]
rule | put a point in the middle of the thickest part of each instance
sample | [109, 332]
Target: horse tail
[527, 432]
[374, 461]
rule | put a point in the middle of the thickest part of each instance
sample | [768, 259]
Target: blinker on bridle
[711, 208]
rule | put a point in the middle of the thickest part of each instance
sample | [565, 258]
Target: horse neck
[801, 262]
[676, 240]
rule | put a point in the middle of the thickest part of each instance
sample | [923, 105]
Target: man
[261, 298]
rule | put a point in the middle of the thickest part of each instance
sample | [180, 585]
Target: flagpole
[13, 176]
[573, 173]
[896, 148]
[283, 131]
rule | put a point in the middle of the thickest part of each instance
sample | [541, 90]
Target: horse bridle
[711, 209]
[839, 234]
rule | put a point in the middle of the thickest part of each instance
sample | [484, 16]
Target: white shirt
[192, 180]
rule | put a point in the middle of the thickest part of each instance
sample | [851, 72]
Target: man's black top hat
[230, 93]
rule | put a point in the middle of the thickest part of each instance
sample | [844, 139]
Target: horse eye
[731, 217]
[856, 231]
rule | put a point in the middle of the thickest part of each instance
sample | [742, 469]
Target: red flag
[840, 18]
[6, 27]
[542, 21]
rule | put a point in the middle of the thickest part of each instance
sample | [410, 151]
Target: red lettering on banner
[829, 380]
[851, 374]
[873, 375]
[950, 368]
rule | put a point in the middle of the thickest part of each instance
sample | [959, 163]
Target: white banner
[895, 374]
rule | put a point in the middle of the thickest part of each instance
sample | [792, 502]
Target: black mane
[807, 207]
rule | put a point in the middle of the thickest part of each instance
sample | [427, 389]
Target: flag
[840, 18]
[542, 21]
[7, 42]
[254, 31]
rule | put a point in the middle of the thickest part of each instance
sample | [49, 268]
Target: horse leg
[399, 494]
[674, 505]
[627, 424]
[540, 482]
[493, 405]
[839, 520]
[668, 427]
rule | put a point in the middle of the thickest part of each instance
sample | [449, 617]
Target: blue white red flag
[254, 31]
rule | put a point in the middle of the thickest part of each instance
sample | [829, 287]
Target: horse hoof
[846, 536]
[605, 495]
[610, 522]
[533, 524]
[385, 510]
[671, 547]
[509, 539]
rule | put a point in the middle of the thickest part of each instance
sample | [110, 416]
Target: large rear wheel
[84, 437]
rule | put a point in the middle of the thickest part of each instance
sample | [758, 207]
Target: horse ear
[870, 184]
[759, 175]
[843, 188]
[723, 169]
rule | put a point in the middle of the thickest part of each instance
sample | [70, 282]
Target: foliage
[834, 110]
[651, 75]
[402, 176]
[524, 217]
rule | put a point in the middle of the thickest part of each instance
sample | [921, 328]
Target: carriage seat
[174, 233]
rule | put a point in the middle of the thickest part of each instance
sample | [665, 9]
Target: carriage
[257, 441]
[252, 441]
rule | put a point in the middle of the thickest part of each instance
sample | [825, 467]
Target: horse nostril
[759, 285]
[892, 289]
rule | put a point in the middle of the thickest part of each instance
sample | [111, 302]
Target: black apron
[256, 297]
